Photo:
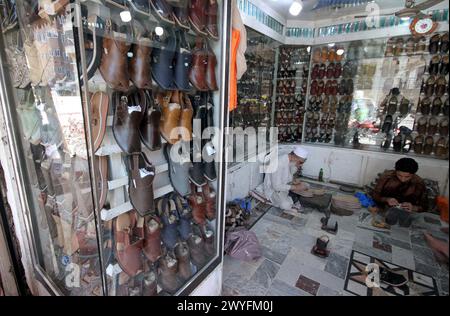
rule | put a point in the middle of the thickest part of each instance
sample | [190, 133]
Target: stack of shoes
[431, 126]
[344, 205]
[291, 91]
[234, 217]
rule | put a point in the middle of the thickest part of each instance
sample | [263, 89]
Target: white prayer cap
[301, 152]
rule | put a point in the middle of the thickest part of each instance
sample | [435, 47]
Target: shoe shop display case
[385, 94]
[291, 91]
[255, 88]
[115, 112]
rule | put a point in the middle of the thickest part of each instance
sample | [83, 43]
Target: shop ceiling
[314, 10]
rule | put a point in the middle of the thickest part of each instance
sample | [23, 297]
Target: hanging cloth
[238, 63]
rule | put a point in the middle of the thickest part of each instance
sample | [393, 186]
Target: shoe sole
[196, 28]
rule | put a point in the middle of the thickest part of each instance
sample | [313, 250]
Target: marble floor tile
[327, 279]
[381, 246]
[382, 255]
[243, 269]
[273, 255]
[401, 244]
[418, 239]
[337, 265]
[420, 267]
[265, 273]
[325, 291]
[424, 255]
[403, 258]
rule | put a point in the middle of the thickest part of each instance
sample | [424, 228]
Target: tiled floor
[287, 267]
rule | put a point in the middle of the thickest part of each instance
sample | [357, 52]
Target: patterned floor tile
[273, 255]
[307, 285]
[325, 291]
[337, 265]
[280, 288]
[403, 258]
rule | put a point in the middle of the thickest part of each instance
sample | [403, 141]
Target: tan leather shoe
[140, 71]
[169, 102]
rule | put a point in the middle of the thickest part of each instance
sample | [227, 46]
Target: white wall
[212, 285]
[346, 166]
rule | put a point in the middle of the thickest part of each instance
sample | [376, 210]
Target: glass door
[120, 106]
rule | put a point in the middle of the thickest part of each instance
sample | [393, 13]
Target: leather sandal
[444, 68]
[418, 144]
[392, 106]
[198, 205]
[404, 107]
[322, 71]
[140, 63]
[181, 14]
[444, 43]
[397, 142]
[128, 114]
[199, 69]
[441, 148]
[184, 216]
[433, 47]
[441, 86]
[209, 196]
[140, 186]
[211, 69]
[99, 107]
[387, 125]
[212, 12]
[150, 126]
[198, 251]
[171, 113]
[422, 125]
[198, 17]
[128, 253]
[429, 86]
[187, 112]
[183, 63]
[102, 176]
[162, 63]
[330, 71]
[169, 218]
[152, 238]
[428, 147]
[167, 278]
[443, 127]
[432, 126]
[437, 106]
[425, 104]
[114, 63]
[434, 65]
[183, 256]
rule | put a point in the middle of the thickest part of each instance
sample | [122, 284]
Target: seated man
[401, 192]
[278, 184]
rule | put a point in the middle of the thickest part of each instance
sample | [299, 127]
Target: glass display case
[116, 112]
[381, 94]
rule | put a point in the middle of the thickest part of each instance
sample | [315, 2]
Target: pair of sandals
[424, 145]
[439, 44]
[439, 66]
[435, 86]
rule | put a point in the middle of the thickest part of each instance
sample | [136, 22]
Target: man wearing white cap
[277, 185]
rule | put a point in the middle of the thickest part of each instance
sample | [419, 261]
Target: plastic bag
[242, 245]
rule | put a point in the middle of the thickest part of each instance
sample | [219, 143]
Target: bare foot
[439, 247]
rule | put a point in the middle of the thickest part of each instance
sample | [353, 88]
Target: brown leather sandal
[99, 107]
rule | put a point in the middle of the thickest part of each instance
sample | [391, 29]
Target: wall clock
[423, 25]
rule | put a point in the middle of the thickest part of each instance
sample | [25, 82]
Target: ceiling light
[125, 16]
[308, 49]
[405, 18]
[340, 52]
[331, 45]
[296, 8]
[159, 30]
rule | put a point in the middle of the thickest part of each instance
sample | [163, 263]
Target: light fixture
[308, 49]
[159, 30]
[405, 18]
[340, 52]
[331, 45]
[296, 8]
[125, 16]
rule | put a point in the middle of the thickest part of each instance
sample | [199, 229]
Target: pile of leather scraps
[344, 205]
[236, 216]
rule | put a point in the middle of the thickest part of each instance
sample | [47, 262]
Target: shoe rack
[146, 69]
[255, 88]
[291, 90]
[376, 102]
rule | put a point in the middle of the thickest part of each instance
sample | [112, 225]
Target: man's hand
[407, 207]
[392, 202]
